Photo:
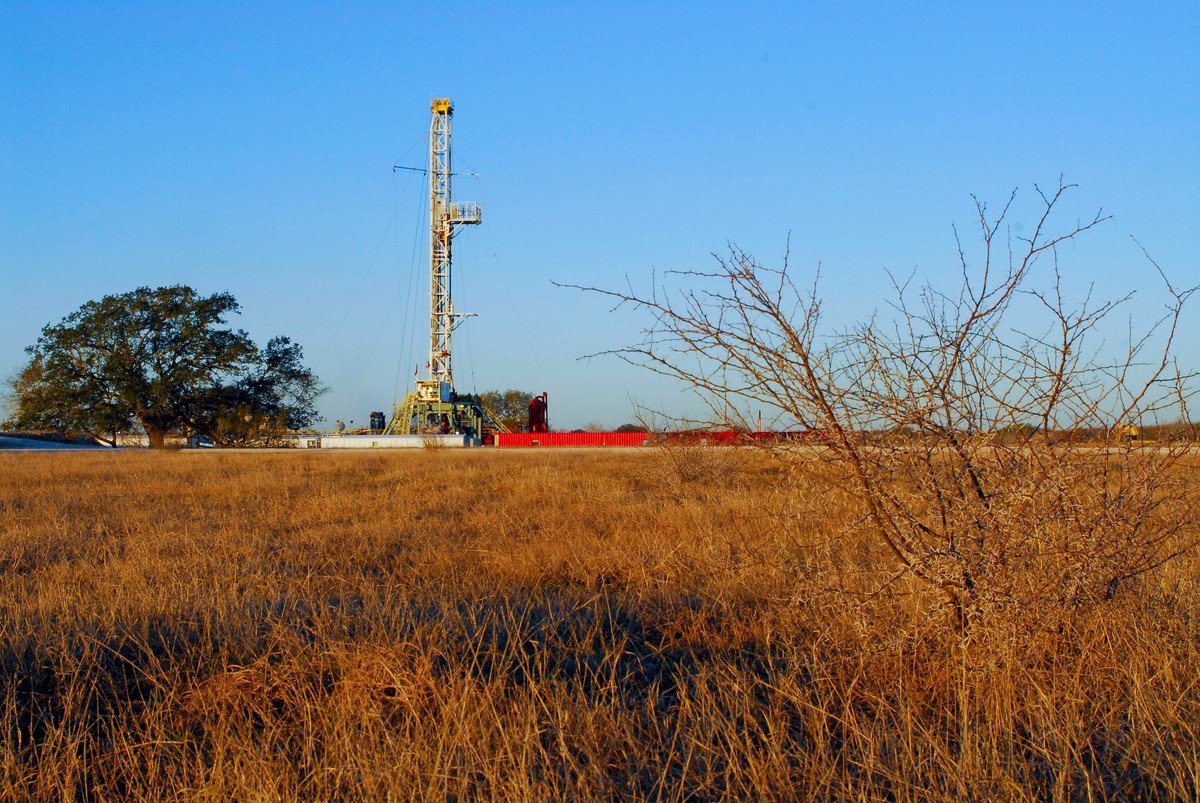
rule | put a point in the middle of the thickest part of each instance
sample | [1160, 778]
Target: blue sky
[248, 148]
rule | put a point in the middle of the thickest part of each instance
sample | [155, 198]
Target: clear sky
[248, 147]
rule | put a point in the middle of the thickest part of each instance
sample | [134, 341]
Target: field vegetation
[667, 624]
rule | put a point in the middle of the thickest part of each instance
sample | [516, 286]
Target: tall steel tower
[445, 216]
[434, 406]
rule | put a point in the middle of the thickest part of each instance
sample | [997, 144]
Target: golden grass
[492, 625]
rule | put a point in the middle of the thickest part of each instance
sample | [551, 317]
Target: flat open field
[491, 625]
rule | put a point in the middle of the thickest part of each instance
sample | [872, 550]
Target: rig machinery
[434, 407]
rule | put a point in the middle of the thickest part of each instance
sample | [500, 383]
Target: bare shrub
[963, 422]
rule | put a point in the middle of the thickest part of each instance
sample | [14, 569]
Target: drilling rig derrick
[434, 407]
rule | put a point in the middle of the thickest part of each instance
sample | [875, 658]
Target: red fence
[518, 439]
[529, 439]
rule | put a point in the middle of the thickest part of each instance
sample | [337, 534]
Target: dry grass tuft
[522, 626]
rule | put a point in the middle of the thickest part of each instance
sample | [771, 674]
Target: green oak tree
[511, 407]
[162, 359]
[276, 395]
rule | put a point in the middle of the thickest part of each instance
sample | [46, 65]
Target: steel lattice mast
[445, 217]
[434, 407]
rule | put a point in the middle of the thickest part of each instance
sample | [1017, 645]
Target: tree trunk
[157, 436]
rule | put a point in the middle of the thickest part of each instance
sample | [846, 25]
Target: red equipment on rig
[539, 413]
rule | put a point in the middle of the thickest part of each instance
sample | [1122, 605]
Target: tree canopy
[511, 406]
[163, 359]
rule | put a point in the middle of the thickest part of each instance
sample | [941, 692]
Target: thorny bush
[979, 429]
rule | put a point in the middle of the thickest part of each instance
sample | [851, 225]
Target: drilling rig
[433, 407]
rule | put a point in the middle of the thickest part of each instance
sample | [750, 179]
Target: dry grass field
[448, 625]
